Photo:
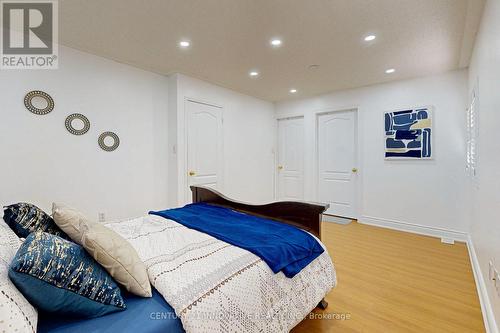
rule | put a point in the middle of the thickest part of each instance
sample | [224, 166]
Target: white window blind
[472, 136]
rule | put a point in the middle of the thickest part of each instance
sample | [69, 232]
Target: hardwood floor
[391, 281]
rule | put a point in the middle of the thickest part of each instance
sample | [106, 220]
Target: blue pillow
[56, 275]
[24, 218]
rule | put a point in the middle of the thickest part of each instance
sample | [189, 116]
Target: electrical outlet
[102, 217]
[496, 282]
[491, 270]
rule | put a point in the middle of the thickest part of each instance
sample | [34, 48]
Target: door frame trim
[357, 154]
[186, 191]
[277, 154]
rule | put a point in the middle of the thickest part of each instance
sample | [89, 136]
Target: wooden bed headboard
[303, 215]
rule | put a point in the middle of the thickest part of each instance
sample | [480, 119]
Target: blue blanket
[283, 247]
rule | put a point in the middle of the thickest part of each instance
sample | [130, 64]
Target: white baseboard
[484, 299]
[414, 228]
[486, 309]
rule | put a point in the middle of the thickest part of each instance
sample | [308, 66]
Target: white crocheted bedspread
[217, 287]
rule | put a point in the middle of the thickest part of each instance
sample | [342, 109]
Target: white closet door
[337, 162]
[204, 145]
[291, 159]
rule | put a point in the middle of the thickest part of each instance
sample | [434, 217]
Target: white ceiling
[231, 37]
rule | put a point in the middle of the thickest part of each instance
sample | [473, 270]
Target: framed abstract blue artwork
[408, 134]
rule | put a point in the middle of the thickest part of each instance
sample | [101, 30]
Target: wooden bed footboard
[304, 215]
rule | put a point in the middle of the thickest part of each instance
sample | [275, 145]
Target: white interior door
[291, 159]
[204, 145]
[337, 142]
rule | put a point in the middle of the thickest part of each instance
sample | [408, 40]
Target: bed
[203, 284]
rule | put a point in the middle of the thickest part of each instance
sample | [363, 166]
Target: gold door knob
[280, 167]
[354, 170]
[192, 173]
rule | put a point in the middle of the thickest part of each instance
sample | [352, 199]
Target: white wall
[426, 193]
[485, 72]
[42, 162]
[249, 135]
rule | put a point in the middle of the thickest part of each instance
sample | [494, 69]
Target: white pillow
[16, 313]
[112, 251]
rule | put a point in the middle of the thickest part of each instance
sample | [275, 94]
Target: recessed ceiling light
[276, 42]
[390, 71]
[253, 73]
[184, 44]
[369, 38]
[293, 91]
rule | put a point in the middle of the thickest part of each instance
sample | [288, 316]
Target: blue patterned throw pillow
[24, 218]
[56, 275]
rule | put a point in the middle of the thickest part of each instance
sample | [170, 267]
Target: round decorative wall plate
[74, 119]
[104, 145]
[38, 102]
